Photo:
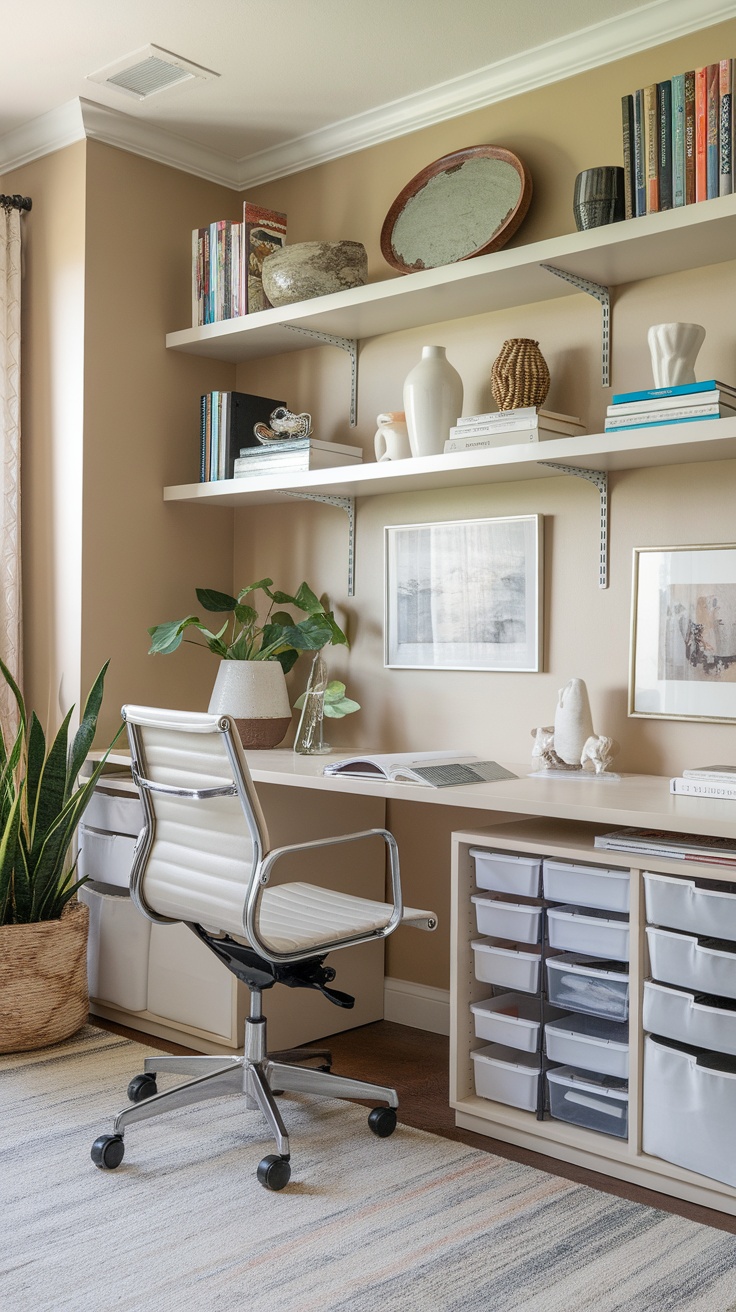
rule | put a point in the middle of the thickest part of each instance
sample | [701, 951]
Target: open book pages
[437, 769]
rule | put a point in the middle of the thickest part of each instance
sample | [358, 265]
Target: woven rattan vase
[519, 376]
[43, 980]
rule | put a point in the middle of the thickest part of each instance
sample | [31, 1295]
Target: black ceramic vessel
[599, 197]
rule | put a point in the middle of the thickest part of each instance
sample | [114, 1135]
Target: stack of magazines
[677, 847]
[502, 427]
[294, 455]
[671, 405]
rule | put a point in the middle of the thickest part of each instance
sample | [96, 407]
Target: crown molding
[616, 38]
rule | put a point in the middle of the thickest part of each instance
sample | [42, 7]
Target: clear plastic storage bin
[516, 921]
[586, 929]
[589, 1042]
[509, 965]
[505, 872]
[706, 965]
[513, 1019]
[688, 1017]
[586, 886]
[699, 907]
[596, 1103]
[505, 1075]
[689, 1100]
[584, 984]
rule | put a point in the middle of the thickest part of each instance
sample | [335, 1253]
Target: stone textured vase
[254, 694]
[43, 980]
[674, 348]
[313, 268]
[573, 721]
[519, 376]
[433, 401]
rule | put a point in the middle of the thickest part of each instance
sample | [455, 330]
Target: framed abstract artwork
[464, 595]
[683, 633]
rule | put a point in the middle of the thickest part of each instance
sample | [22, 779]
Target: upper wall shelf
[656, 244]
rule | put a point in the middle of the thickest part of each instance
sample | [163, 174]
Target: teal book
[678, 140]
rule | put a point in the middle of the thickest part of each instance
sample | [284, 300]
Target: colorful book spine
[681, 389]
[627, 126]
[701, 134]
[678, 140]
[690, 136]
[651, 148]
[264, 231]
[725, 128]
[639, 159]
[712, 150]
[664, 115]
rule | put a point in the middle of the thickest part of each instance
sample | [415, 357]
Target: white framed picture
[464, 595]
[683, 633]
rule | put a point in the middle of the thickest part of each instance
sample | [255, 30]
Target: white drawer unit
[106, 858]
[586, 929]
[696, 906]
[116, 812]
[595, 1103]
[589, 1042]
[513, 1020]
[689, 1104]
[584, 984]
[517, 921]
[117, 948]
[508, 965]
[586, 886]
[508, 1076]
[706, 965]
[700, 1019]
[507, 872]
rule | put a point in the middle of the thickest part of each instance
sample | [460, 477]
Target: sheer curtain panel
[10, 277]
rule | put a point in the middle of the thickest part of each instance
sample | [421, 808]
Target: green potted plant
[43, 928]
[255, 650]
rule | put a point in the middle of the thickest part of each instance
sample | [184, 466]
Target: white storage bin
[706, 965]
[688, 1110]
[513, 1019]
[506, 1075]
[586, 886]
[595, 988]
[510, 920]
[504, 872]
[691, 905]
[589, 1042]
[106, 858]
[585, 929]
[696, 1018]
[117, 948]
[186, 982]
[581, 1099]
[510, 965]
[115, 812]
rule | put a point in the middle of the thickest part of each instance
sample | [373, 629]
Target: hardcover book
[627, 124]
[226, 425]
[664, 111]
[690, 137]
[264, 231]
[639, 157]
[701, 134]
[682, 389]
[655, 416]
[704, 788]
[712, 130]
[651, 148]
[725, 128]
[705, 400]
[678, 140]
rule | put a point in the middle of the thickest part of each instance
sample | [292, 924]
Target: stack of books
[526, 424]
[294, 455]
[227, 258]
[706, 781]
[671, 405]
[676, 847]
[678, 140]
[226, 423]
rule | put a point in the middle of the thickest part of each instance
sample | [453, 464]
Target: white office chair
[203, 859]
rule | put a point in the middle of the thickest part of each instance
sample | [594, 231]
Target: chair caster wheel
[108, 1151]
[274, 1172]
[142, 1086]
[382, 1121]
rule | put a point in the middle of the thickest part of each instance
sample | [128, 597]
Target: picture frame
[682, 663]
[464, 595]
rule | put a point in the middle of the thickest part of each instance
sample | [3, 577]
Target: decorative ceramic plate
[465, 204]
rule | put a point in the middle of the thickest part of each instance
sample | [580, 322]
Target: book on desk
[435, 769]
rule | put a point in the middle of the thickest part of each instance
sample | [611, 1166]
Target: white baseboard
[417, 1005]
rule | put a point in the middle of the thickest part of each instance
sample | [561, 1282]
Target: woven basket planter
[43, 980]
[519, 376]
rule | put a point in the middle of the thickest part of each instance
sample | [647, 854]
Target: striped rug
[413, 1223]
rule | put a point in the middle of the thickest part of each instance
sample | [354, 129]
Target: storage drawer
[589, 1042]
[510, 965]
[117, 813]
[692, 905]
[519, 922]
[512, 1020]
[504, 872]
[700, 1019]
[688, 1111]
[585, 929]
[586, 886]
[117, 948]
[507, 1076]
[706, 965]
[578, 1097]
[187, 983]
[595, 988]
[107, 858]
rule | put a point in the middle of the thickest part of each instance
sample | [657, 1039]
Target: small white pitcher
[392, 439]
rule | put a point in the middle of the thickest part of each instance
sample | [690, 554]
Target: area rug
[407, 1223]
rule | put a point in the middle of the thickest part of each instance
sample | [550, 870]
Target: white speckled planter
[254, 694]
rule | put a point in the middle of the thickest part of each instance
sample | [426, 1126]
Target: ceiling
[298, 80]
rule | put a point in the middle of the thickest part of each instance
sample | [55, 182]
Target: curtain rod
[16, 202]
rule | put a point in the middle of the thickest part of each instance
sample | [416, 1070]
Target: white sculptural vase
[254, 694]
[573, 721]
[433, 401]
[674, 348]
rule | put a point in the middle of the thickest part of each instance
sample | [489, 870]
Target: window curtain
[10, 600]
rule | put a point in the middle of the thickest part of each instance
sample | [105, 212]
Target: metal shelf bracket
[345, 344]
[601, 294]
[600, 479]
[343, 503]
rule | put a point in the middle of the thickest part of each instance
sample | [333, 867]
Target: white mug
[392, 439]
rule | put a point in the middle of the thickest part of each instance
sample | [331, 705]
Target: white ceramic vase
[433, 400]
[573, 721]
[254, 694]
[674, 348]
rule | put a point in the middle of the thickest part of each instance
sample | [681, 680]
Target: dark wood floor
[416, 1064]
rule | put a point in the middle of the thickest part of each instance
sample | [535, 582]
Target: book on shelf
[436, 769]
[712, 152]
[503, 437]
[664, 124]
[672, 403]
[644, 421]
[226, 424]
[264, 231]
[678, 140]
[627, 124]
[671, 415]
[716, 788]
[520, 417]
[294, 456]
[677, 847]
[681, 389]
[690, 136]
[640, 170]
[726, 772]
[701, 133]
[651, 148]
[725, 128]
[216, 258]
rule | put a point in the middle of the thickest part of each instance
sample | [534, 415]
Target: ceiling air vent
[148, 71]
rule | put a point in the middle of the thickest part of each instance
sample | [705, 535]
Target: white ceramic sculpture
[433, 400]
[392, 438]
[674, 348]
[573, 721]
[600, 751]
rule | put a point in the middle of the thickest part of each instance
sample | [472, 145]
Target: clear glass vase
[309, 739]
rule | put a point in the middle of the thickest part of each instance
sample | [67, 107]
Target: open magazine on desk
[435, 769]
